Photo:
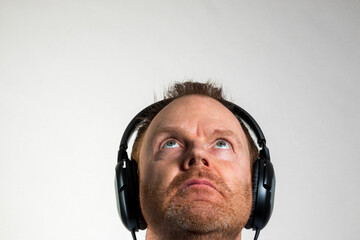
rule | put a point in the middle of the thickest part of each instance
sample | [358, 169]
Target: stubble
[170, 214]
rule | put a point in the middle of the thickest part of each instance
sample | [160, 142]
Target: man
[195, 162]
[199, 172]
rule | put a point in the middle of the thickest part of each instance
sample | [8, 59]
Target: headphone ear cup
[127, 195]
[264, 192]
[255, 180]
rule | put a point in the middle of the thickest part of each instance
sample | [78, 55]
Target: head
[195, 159]
[184, 89]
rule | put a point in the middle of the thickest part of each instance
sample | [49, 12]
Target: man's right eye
[170, 144]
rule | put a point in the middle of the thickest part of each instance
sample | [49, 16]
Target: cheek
[236, 172]
[158, 174]
[161, 167]
[169, 155]
[224, 154]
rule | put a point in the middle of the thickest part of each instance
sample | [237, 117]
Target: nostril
[205, 162]
[191, 162]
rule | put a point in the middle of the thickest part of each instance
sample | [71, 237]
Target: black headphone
[127, 182]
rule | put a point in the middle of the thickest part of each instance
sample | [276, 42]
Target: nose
[197, 158]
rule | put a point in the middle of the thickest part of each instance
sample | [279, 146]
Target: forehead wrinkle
[170, 129]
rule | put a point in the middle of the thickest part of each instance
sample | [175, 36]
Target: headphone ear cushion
[255, 181]
[141, 223]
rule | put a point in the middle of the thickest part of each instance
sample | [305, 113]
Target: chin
[205, 217]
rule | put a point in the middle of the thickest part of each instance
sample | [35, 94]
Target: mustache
[219, 183]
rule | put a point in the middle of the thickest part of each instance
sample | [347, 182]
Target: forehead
[195, 111]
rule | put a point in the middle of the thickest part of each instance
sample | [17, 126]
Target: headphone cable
[133, 234]
[257, 234]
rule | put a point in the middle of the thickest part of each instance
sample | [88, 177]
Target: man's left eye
[222, 144]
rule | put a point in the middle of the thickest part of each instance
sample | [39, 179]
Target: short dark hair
[178, 90]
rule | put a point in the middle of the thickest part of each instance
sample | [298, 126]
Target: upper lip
[197, 181]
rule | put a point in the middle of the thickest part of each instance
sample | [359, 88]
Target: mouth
[197, 183]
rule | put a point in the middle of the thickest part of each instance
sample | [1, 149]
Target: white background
[74, 72]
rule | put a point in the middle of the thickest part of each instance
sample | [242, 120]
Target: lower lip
[200, 192]
[200, 186]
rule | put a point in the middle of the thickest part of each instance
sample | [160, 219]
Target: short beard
[178, 218]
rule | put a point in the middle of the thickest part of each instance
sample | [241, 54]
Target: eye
[170, 144]
[222, 144]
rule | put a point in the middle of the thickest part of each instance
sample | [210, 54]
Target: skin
[195, 175]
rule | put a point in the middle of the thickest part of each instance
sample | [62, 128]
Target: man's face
[194, 169]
